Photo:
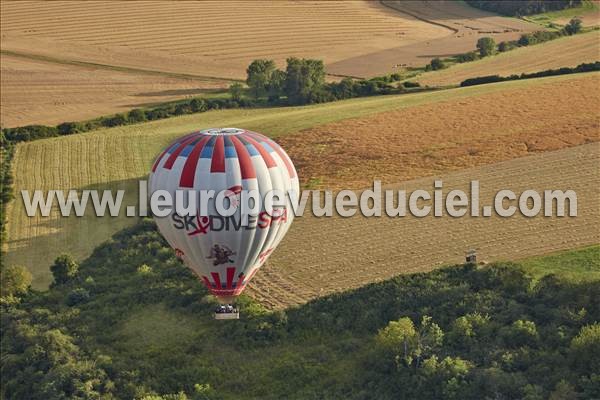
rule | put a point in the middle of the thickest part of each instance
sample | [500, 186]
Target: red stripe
[246, 166]
[230, 274]
[157, 161]
[240, 281]
[279, 151]
[262, 151]
[169, 147]
[189, 169]
[218, 156]
[254, 271]
[206, 282]
[285, 159]
[171, 160]
[217, 279]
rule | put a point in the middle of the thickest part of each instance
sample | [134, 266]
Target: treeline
[196, 105]
[487, 46]
[585, 67]
[514, 8]
[456, 333]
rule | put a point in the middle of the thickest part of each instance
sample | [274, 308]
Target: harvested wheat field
[429, 139]
[342, 253]
[565, 52]
[464, 25]
[210, 38]
[118, 157]
[41, 92]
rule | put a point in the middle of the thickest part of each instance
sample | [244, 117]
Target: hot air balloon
[223, 252]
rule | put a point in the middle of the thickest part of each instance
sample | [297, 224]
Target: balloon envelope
[223, 251]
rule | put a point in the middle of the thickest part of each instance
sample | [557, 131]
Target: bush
[506, 46]
[78, 296]
[68, 128]
[437, 64]
[30, 132]
[574, 26]
[14, 280]
[585, 67]
[527, 39]
[64, 269]
[467, 57]
[409, 84]
[486, 46]
[235, 90]
[136, 115]
[115, 120]
[198, 105]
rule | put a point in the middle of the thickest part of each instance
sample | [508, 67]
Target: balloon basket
[227, 315]
[227, 312]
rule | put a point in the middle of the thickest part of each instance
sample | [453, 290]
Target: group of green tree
[584, 67]
[514, 8]
[303, 82]
[463, 332]
[487, 46]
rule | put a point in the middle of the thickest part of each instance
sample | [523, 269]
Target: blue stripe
[173, 148]
[186, 152]
[230, 152]
[267, 147]
[207, 151]
[208, 148]
[252, 150]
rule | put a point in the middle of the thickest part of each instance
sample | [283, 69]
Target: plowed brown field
[464, 26]
[324, 255]
[212, 38]
[42, 92]
[403, 144]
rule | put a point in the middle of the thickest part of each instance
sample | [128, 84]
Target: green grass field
[578, 265]
[117, 158]
[567, 51]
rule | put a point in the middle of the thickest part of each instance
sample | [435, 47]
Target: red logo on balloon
[203, 225]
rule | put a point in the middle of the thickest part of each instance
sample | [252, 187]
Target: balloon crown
[222, 131]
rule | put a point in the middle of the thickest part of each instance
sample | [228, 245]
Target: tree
[303, 76]
[64, 269]
[430, 337]
[486, 46]
[574, 26]
[15, 280]
[136, 115]
[399, 336]
[563, 391]
[258, 75]
[436, 64]
[235, 90]
[276, 85]
[585, 348]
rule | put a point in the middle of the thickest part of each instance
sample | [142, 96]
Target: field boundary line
[87, 64]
